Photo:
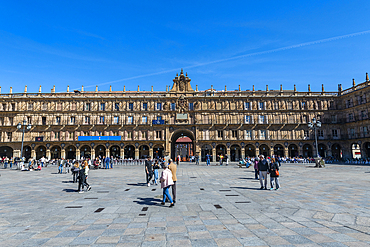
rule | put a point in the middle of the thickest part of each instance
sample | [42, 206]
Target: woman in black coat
[274, 174]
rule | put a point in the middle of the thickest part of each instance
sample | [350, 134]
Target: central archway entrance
[182, 144]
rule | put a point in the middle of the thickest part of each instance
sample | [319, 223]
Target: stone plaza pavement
[216, 206]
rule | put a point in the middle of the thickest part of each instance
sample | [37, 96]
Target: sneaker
[162, 203]
[276, 188]
[261, 188]
[271, 188]
[81, 191]
[88, 189]
[148, 184]
[172, 205]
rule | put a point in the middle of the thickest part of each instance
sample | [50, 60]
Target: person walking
[111, 162]
[197, 159]
[42, 160]
[172, 166]
[107, 161]
[263, 167]
[256, 167]
[148, 170]
[274, 174]
[75, 170]
[82, 179]
[226, 159]
[6, 160]
[208, 159]
[156, 174]
[60, 169]
[166, 182]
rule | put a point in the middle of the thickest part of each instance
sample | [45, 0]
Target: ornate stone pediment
[181, 83]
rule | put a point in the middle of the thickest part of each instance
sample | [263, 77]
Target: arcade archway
[220, 150]
[182, 144]
[250, 151]
[85, 152]
[322, 150]
[71, 152]
[6, 151]
[143, 152]
[265, 150]
[278, 150]
[55, 152]
[26, 152]
[366, 148]
[115, 151]
[158, 151]
[100, 151]
[235, 153]
[129, 152]
[336, 151]
[293, 150]
[206, 150]
[307, 150]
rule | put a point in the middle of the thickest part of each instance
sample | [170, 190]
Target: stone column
[16, 153]
[107, 152]
[257, 151]
[33, 154]
[151, 152]
[92, 154]
[228, 152]
[137, 153]
[123, 153]
[63, 153]
[167, 148]
[300, 151]
[243, 153]
[286, 152]
[78, 154]
[213, 154]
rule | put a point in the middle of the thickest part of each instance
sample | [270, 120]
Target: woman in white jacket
[166, 182]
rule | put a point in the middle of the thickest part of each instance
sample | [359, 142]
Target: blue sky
[217, 42]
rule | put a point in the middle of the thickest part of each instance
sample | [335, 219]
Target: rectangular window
[87, 120]
[306, 134]
[129, 120]
[247, 106]
[159, 106]
[158, 134]
[88, 107]
[43, 120]
[334, 132]
[191, 106]
[220, 134]
[30, 107]
[101, 120]
[73, 120]
[173, 106]
[320, 133]
[263, 134]
[1, 120]
[248, 134]
[144, 120]
[115, 120]
[261, 105]
[73, 106]
[261, 119]
[350, 117]
[9, 135]
[248, 120]
[290, 105]
[131, 106]
[12, 107]
[234, 133]
[4, 107]
[56, 135]
[205, 134]
[102, 106]
[363, 115]
[71, 135]
[11, 121]
[145, 106]
[303, 105]
[276, 105]
[116, 106]
[29, 120]
[333, 118]
[143, 135]
[44, 106]
[352, 132]
[365, 131]
[59, 106]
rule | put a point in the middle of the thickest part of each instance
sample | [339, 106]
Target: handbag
[276, 172]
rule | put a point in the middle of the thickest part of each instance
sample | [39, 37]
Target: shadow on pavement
[69, 190]
[244, 188]
[67, 181]
[138, 184]
[148, 201]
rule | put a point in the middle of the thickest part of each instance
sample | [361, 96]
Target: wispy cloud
[320, 41]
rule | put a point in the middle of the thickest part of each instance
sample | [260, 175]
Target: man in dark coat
[263, 167]
[148, 170]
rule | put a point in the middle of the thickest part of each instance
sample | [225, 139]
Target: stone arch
[279, 150]
[143, 151]
[265, 150]
[206, 149]
[6, 151]
[175, 146]
[235, 153]
[70, 152]
[55, 152]
[293, 150]
[250, 151]
[85, 152]
[158, 151]
[307, 150]
[322, 150]
[129, 152]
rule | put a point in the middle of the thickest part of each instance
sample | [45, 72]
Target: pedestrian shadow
[69, 190]
[148, 201]
[244, 188]
[67, 181]
[248, 178]
[138, 184]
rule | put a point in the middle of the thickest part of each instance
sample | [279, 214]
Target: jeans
[263, 176]
[174, 190]
[111, 165]
[273, 181]
[61, 169]
[149, 177]
[155, 176]
[197, 162]
[166, 193]
[42, 164]
[255, 173]
[208, 162]
[11, 164]
[106, 165]
[5, 165]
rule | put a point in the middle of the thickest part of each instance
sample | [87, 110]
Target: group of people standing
[168, 178]
[263, 168]
[80, 173]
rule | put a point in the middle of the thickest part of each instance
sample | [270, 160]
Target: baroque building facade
[183, 121]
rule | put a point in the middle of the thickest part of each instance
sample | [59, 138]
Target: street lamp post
[24, 129]
[315, 125]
